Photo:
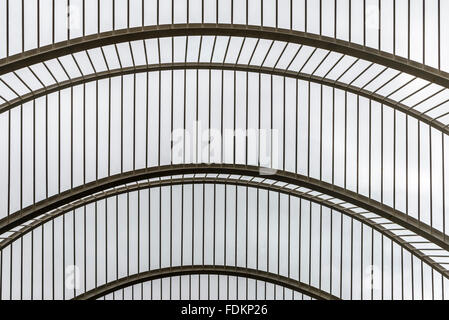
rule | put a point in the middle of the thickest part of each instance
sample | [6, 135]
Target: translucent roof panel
[299, 145]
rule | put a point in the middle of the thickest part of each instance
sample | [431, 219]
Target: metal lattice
[281, 149]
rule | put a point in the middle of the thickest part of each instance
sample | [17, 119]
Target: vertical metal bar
[235, 238]
[289, 239]
[214, 237]
[225, 236]
[346, 139]
[433, 287]
[308, 128]
[341, 255]
[335, 19]
[439, 43]
[321, 250]
[53, 24]
[236, 187]
[382, 268]
[246, 162]
[382, 153]
[361, 260]
[424, 32]
[279, 239]
[402, 273]
[331, 250]
[392, 270]
[160, 233]
[352, 257]
[134, 121]
[63, 257]
[422, 281]
[38, 23]
[232, 18]
[364, 23]
[394, 159]
[379, 36]
[23, 26]
[358, 145]
[59, 191]
[408, 30]
[149, 237]
[321, 132]
[171, 155]
[98, 16]
[413, 276]
[7, 29]
[116, 238]
[203, 226]
[8, 201]
[225, 186]
[268, 238]
[419, 170]
[193, 237]
[34, 200]
[443, 185]
[350, 20]
[394, 27]
[96, 178]
[430, 178]
[42, 263]
[84, 243]
[121, 124]
[105, 238]
[310, 243]
[372, 263]
[10, 270]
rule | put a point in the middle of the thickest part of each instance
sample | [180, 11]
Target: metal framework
[132, 34]
[209, 270]
[350, 212]
[117, 157]
[421, 116]
[189, 289]
[20, 217]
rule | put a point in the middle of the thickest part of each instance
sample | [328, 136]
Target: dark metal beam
[206, 269]
[228, 181]
[41, 54]
[232, 67]
[396, 216]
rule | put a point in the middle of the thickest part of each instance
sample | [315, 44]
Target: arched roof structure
[251, 98]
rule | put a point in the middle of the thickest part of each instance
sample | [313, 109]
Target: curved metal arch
[225, 181]
[54, 202]
[231, 67]
[206, 269]
[238, 30]
[191, 286]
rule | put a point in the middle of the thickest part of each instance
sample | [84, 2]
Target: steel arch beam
[224, 181]
[231, 67]
[206, 269]
[238, 30]
[15, 219]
